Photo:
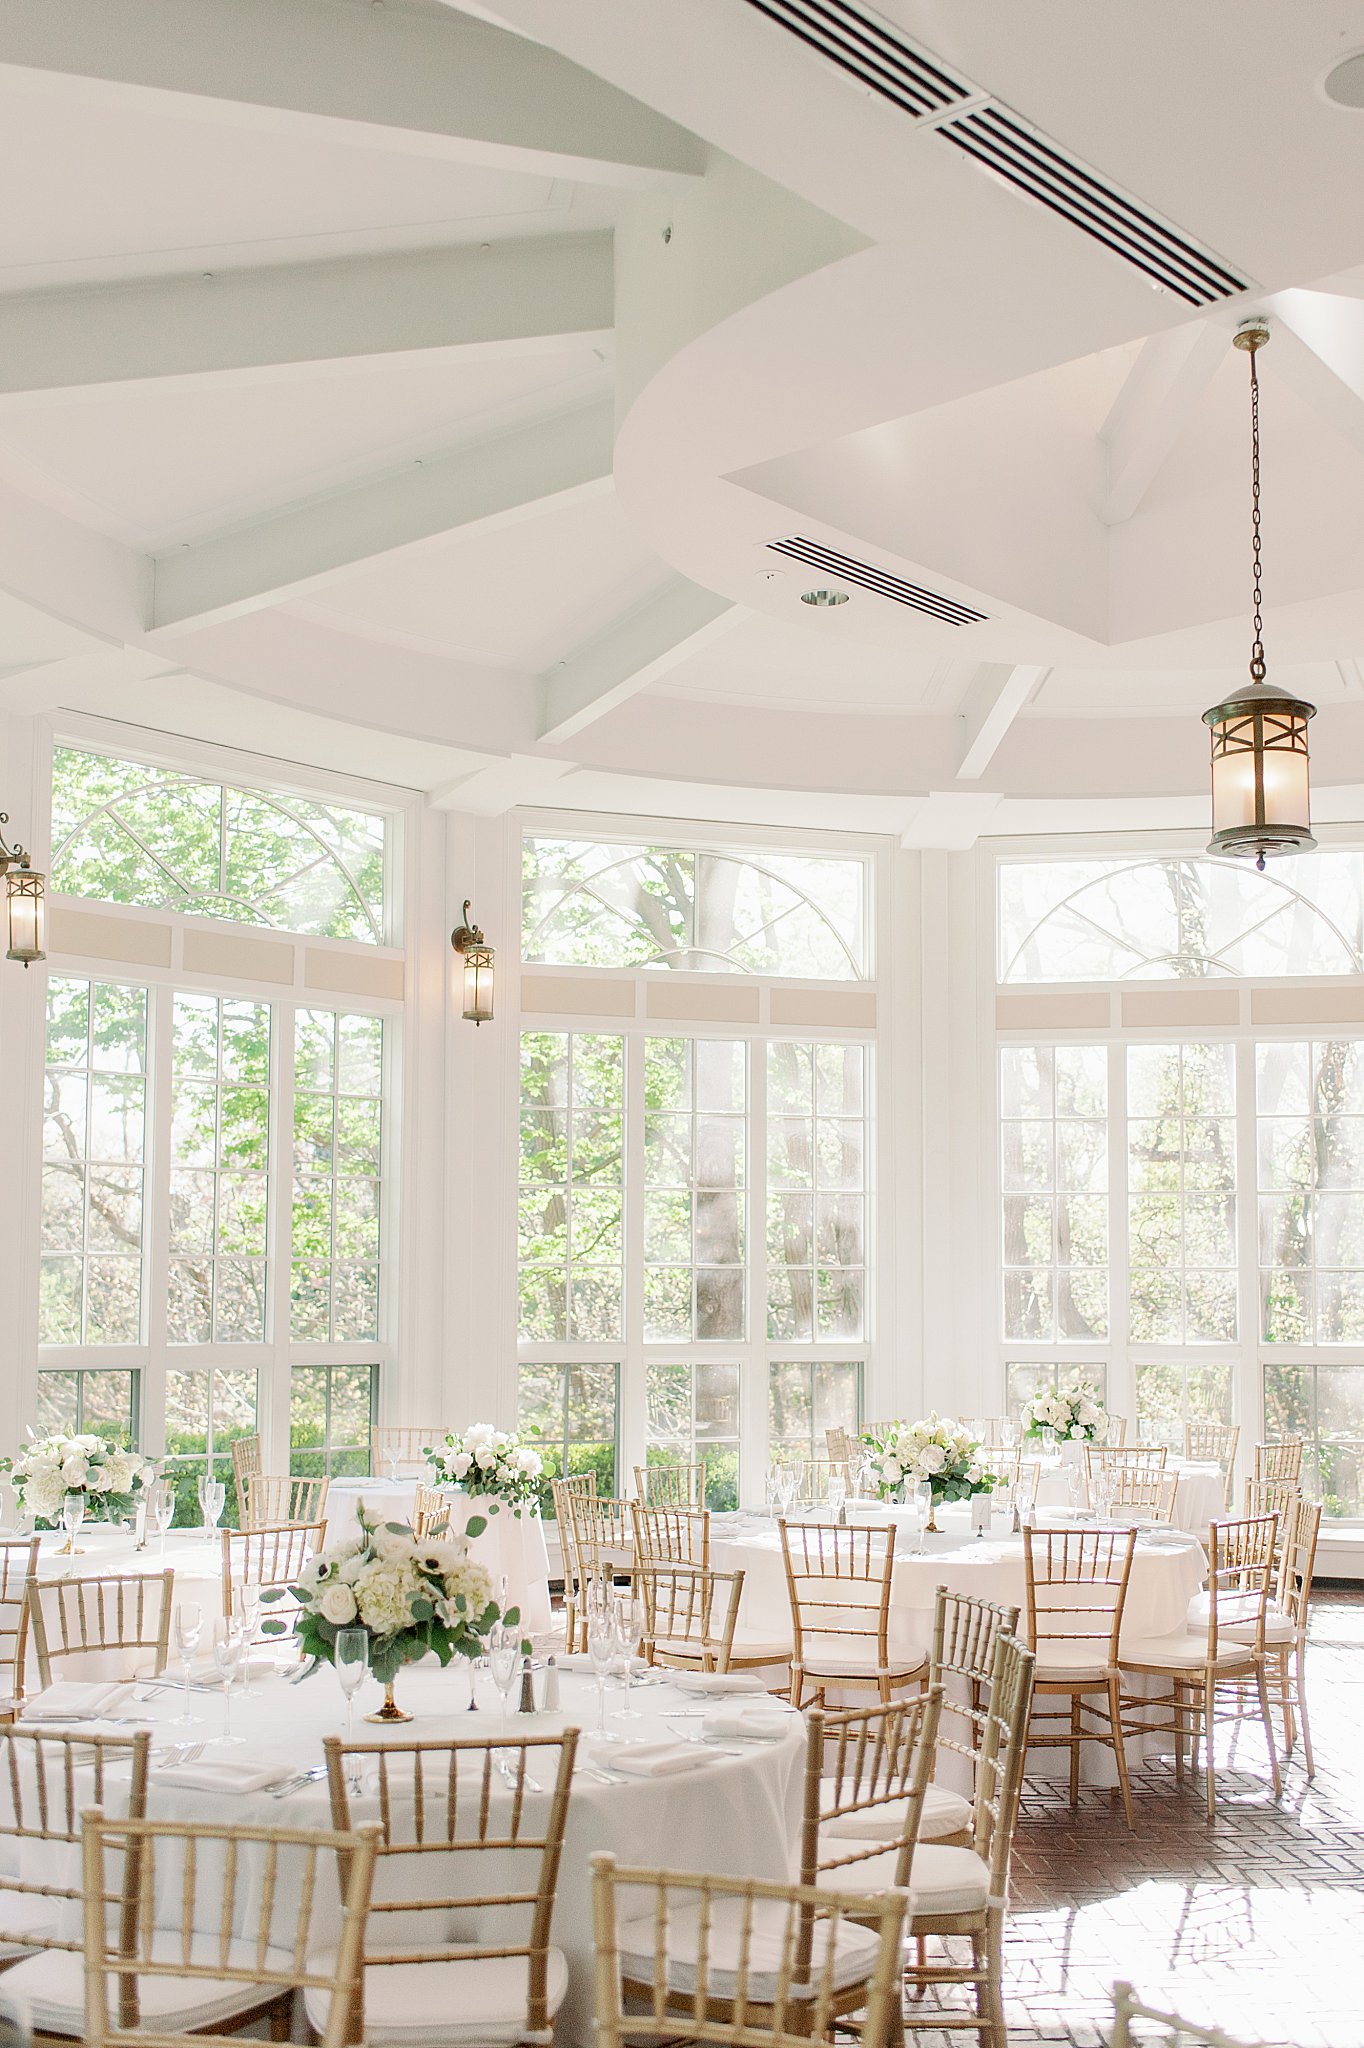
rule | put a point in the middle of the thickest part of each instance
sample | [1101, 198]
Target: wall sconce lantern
[1259, 734]
[469, 941]
[27, 919]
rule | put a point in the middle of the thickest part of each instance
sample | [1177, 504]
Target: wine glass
[1008, 1433]
[393, 1461]
[922, 1496]
[350, 1659]
[73, 1516]
[1049, 1451]
[836, 1493]
[229, 1652]
[629, 1635]
[163, 1511]
[188, 1626]
[246, 1605]
[601, 1648]
[214, 1499]
[504, 1656]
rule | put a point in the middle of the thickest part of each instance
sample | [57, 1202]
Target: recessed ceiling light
[1344, 83]
[824, 597]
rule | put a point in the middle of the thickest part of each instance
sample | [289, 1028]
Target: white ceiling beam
[501, 784]
[516, 296]
[1317, 340]
[1153, 409]
[951, 820]
[634, 651]
[383, 78]
[294, 552]
[990, 706]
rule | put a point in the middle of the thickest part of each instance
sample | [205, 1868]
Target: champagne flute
[351, 1662]
[836, 1492]
[504, 1656]
[163, 1511]
[629, 1634]
[188, 1624]
[246, 1605]
[229, 1649]
[601, 1648]
[214, 1501]
[923, 1508]
[1008, 1433]
[73, 1516]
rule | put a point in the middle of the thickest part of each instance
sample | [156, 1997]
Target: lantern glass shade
[27, 915]
[478, 983]
[1260, 796]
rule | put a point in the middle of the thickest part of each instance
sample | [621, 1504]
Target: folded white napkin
[578, 1660]
[719, 1681]
[225, 1774]
[753, 1726]
[656, 1759]
[73, 1699]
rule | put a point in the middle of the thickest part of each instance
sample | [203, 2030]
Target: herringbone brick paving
[1254, 1923]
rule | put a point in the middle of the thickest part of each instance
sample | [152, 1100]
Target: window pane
[572, 1180]
[220, 1154]
[805, 1399]
[331, 1408]
[125, 832]
[1310, 1158]
[597, 905]
[570, 1413]
[1054, 1173]
[817, 1191]
[207, 1408]
[94, 1131]
[338, 1160]
[693, 1419]
[1181, 1147]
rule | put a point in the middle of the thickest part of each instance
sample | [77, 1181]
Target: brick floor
[1254, 1922]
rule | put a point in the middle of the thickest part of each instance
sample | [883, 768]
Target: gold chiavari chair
[565, 1492]
[1117, 1431]
[18, 1564]
[1280, 1460]
[1076, 1587]
[1151, 1494]
[1116, 1458]
[246, 1460]
[603, 1541]
[404, 1446]
[733, 1962]
[843, 1447]
[48, 1779]
[1159, 2029]
[671, 1486]
[1213, 1443]
[430, 1513]
[270, 1558]
[1202, 1657]
[1277, 1497]
[445, 1809]
[101, 1621]
[213, 1927]
[864, 1766]
[965, 1892]
[274, 1500]
[813, 1476]
[671, 1535]
[838, 1584]
[690, 1614]
[1285, 1620]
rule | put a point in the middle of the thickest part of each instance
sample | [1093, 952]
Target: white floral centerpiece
[937, 1449]
[1075, 1412]
[492, 1464]
[410, 1597]
[53, 1466]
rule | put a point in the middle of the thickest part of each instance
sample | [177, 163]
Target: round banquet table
[1200, 1497]
[512, 1545]
[737, 1813]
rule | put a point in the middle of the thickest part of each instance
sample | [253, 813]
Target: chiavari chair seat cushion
[849, 1657]
[53, 1985]
[944, 1880]
[1182, 1652]
[1062, 1663]
[454, 1998]
[764, 1954]
[944, 1813]
[23, 1914]
[747, 1650]
[1278, 1625]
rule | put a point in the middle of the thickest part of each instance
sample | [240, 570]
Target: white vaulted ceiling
[446, 375]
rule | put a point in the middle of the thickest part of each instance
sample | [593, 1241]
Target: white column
[23, 1011]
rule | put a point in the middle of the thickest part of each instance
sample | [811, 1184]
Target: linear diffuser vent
[869, 51]
[879, 581]
[1002, 143]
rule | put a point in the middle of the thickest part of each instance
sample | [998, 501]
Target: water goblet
[188, 1627]
[1008, 1434]
[629, 1635]
[836, 1493]
[229, 1652]
[601, 1648]
[214, 1501]
[922, 1495]
[162, 1511]
[350, 1660]
[393, 1461]
[73, 1516]
[504, 1656]
[246, 1605]
[1049, 1450]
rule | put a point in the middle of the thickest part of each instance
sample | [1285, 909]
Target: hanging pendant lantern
[477, 955]
[26, 906]
[1260, 799]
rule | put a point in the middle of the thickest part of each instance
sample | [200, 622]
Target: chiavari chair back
[18, 1564]
[101, 1621]
[863, 1765]
[603, 1536]
[690, 1614]
[1149, 1493]
[49, 1778]
[1119, 1458]
[962, 1661]
[274, 1499]
[218, 1925]
[671, 1486]
[1213, 1443]
[430, 1513]
[565, 1491]
[838, 1584]
[1280, 1460]
[470, 1822]
[666, 1535]
[246, 1460]
[399, 1450]
[1277, 1497]
[734, 1962]
[1286, 1630]
[270, 1558]
[843, 1447]
[1076, 1583]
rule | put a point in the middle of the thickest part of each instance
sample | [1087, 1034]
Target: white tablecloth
[512, 1545]
[738, 1814]
[1200, 1497]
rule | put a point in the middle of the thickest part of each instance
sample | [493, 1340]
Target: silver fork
[296, 1784]
[506, 1772]
[190, 1753]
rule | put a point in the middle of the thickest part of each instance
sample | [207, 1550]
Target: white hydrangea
[384, 1593]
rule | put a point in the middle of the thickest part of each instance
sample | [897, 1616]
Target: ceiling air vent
[1007, 146]
[931, 602]
[870, 51]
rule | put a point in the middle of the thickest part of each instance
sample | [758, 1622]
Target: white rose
[392, 1545]
[460, 1464]
[530, 1462]
[484, 1456]
[73, 1473]
[974, 1474]
[891, 1471]
[337, 1605]
[932, 1459]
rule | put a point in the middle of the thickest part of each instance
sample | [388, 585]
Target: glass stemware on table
[350, 1661]
[629, 1635]
[504, 1658]
[601, 1648]
[187, 1627]
[73, 1518]
[161, 1508]
[229, 1654]
[212, 1500]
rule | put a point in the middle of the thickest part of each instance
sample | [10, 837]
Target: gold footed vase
[390, 1711]
[931, 1525]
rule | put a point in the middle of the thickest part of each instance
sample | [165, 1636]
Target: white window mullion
[156, 1214]
[273, 1397]
[1247, 1395]
[1122, 1387]
[632, 1426]
[753, 1381]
